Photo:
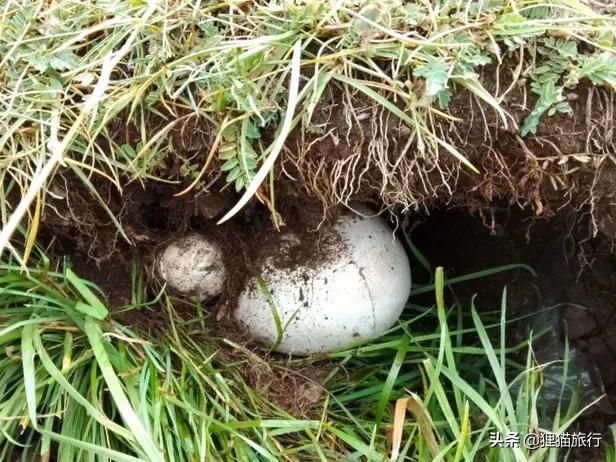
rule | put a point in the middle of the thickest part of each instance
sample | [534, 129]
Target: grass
[105, 90]
[70, 70]
[75, 385]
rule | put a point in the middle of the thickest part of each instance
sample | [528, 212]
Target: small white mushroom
[356, 293]
[193, 266]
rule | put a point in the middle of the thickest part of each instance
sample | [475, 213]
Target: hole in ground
[577, 277]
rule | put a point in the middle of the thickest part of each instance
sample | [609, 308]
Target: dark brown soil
[78, 226]
[296, 390]
[565, 168]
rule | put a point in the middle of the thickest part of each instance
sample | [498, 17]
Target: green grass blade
[73, 393]
[476, 275]
[391, 378]
[499, 373]
[27, 360]
[95, 307]
[93, 448]
[95, 336]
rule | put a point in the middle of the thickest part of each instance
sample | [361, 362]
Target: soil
[357, 151]
[75, 225]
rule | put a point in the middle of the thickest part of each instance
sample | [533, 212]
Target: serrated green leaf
[443, 98]
[436, 73]
[229, 151]
[230, 133]
[510, 20]
[250, 163]
[63, 60]
[239, 184]
[599, 69]
[38, 61]
[252, 131]
[531, 122]
[516, 26]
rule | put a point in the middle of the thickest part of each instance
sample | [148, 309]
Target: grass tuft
[77, 387]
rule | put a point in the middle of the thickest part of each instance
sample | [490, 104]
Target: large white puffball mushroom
[356, 293]
[193, 266]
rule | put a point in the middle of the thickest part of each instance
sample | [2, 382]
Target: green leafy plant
[238, 155]
[560, 67]
[558, 58]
